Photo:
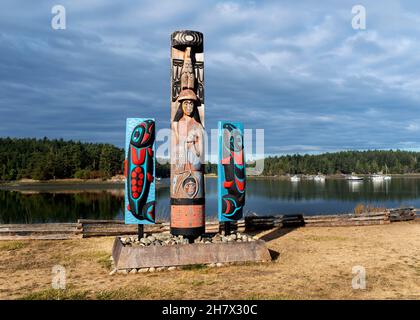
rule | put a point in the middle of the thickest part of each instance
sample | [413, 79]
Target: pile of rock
[164, 239]
[142, 270]
[157, 269]
[233, 237]
[155, 239]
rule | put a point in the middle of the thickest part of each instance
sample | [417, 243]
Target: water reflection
[32, 207]
[264, 196]
[354, 185]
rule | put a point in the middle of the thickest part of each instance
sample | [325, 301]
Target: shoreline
[28, 184]
[332, 176]
[117, 181]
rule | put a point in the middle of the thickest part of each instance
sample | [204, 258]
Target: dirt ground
[311, 263]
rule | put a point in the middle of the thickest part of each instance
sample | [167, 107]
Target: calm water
[62, 204]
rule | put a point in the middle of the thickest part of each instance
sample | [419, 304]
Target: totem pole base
[136, 257]
[188, 232]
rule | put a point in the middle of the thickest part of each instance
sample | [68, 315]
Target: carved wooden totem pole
[187, 134]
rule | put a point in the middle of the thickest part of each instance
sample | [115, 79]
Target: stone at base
[122, 271]
[153, 257]
[114, 271]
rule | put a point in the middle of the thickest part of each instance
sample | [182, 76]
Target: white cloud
[414, 127]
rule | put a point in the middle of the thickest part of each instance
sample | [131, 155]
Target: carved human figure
[187, 72]
[188, 138]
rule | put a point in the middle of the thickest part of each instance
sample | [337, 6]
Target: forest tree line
[45, 159]
[345, 162]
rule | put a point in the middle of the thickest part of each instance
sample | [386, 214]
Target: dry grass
[11, 245]
[312, 263]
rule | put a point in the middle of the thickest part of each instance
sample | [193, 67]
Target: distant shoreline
[29, 184]
[120, 181]
[331, 176]
[60, 182]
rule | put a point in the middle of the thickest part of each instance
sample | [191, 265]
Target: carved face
[190, 187]
[188, 107]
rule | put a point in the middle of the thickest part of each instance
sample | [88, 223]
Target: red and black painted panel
[231, 171]
[139, 169]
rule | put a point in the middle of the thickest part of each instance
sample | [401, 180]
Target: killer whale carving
[139, 169]
[231, 172]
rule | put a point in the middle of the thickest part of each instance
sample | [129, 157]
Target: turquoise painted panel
[139, 169]
[231, 171]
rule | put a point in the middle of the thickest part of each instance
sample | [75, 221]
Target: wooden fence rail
[94, 228]
[53, 231]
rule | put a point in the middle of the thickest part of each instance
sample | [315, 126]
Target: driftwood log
[402, 214]
[348, 220]
[45, 231]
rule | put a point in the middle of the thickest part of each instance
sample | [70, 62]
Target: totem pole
[139, 170]
[231, 173]
[187, 134]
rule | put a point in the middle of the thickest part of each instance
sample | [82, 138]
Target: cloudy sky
[295, 68]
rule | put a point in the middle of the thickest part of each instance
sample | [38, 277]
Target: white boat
[352, 177]
[377, 177]
[386, 176]
[380, 176]
[294, 178]
[319, 178]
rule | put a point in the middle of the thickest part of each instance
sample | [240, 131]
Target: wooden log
[399, 214]
[35, 231]
[347, 223]
[262, 223]
[268, 222]
[344, 216]
[40, 226]
[89, 221]
[347, 219]
[402, 214]
[403, 219]
[55, 236]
